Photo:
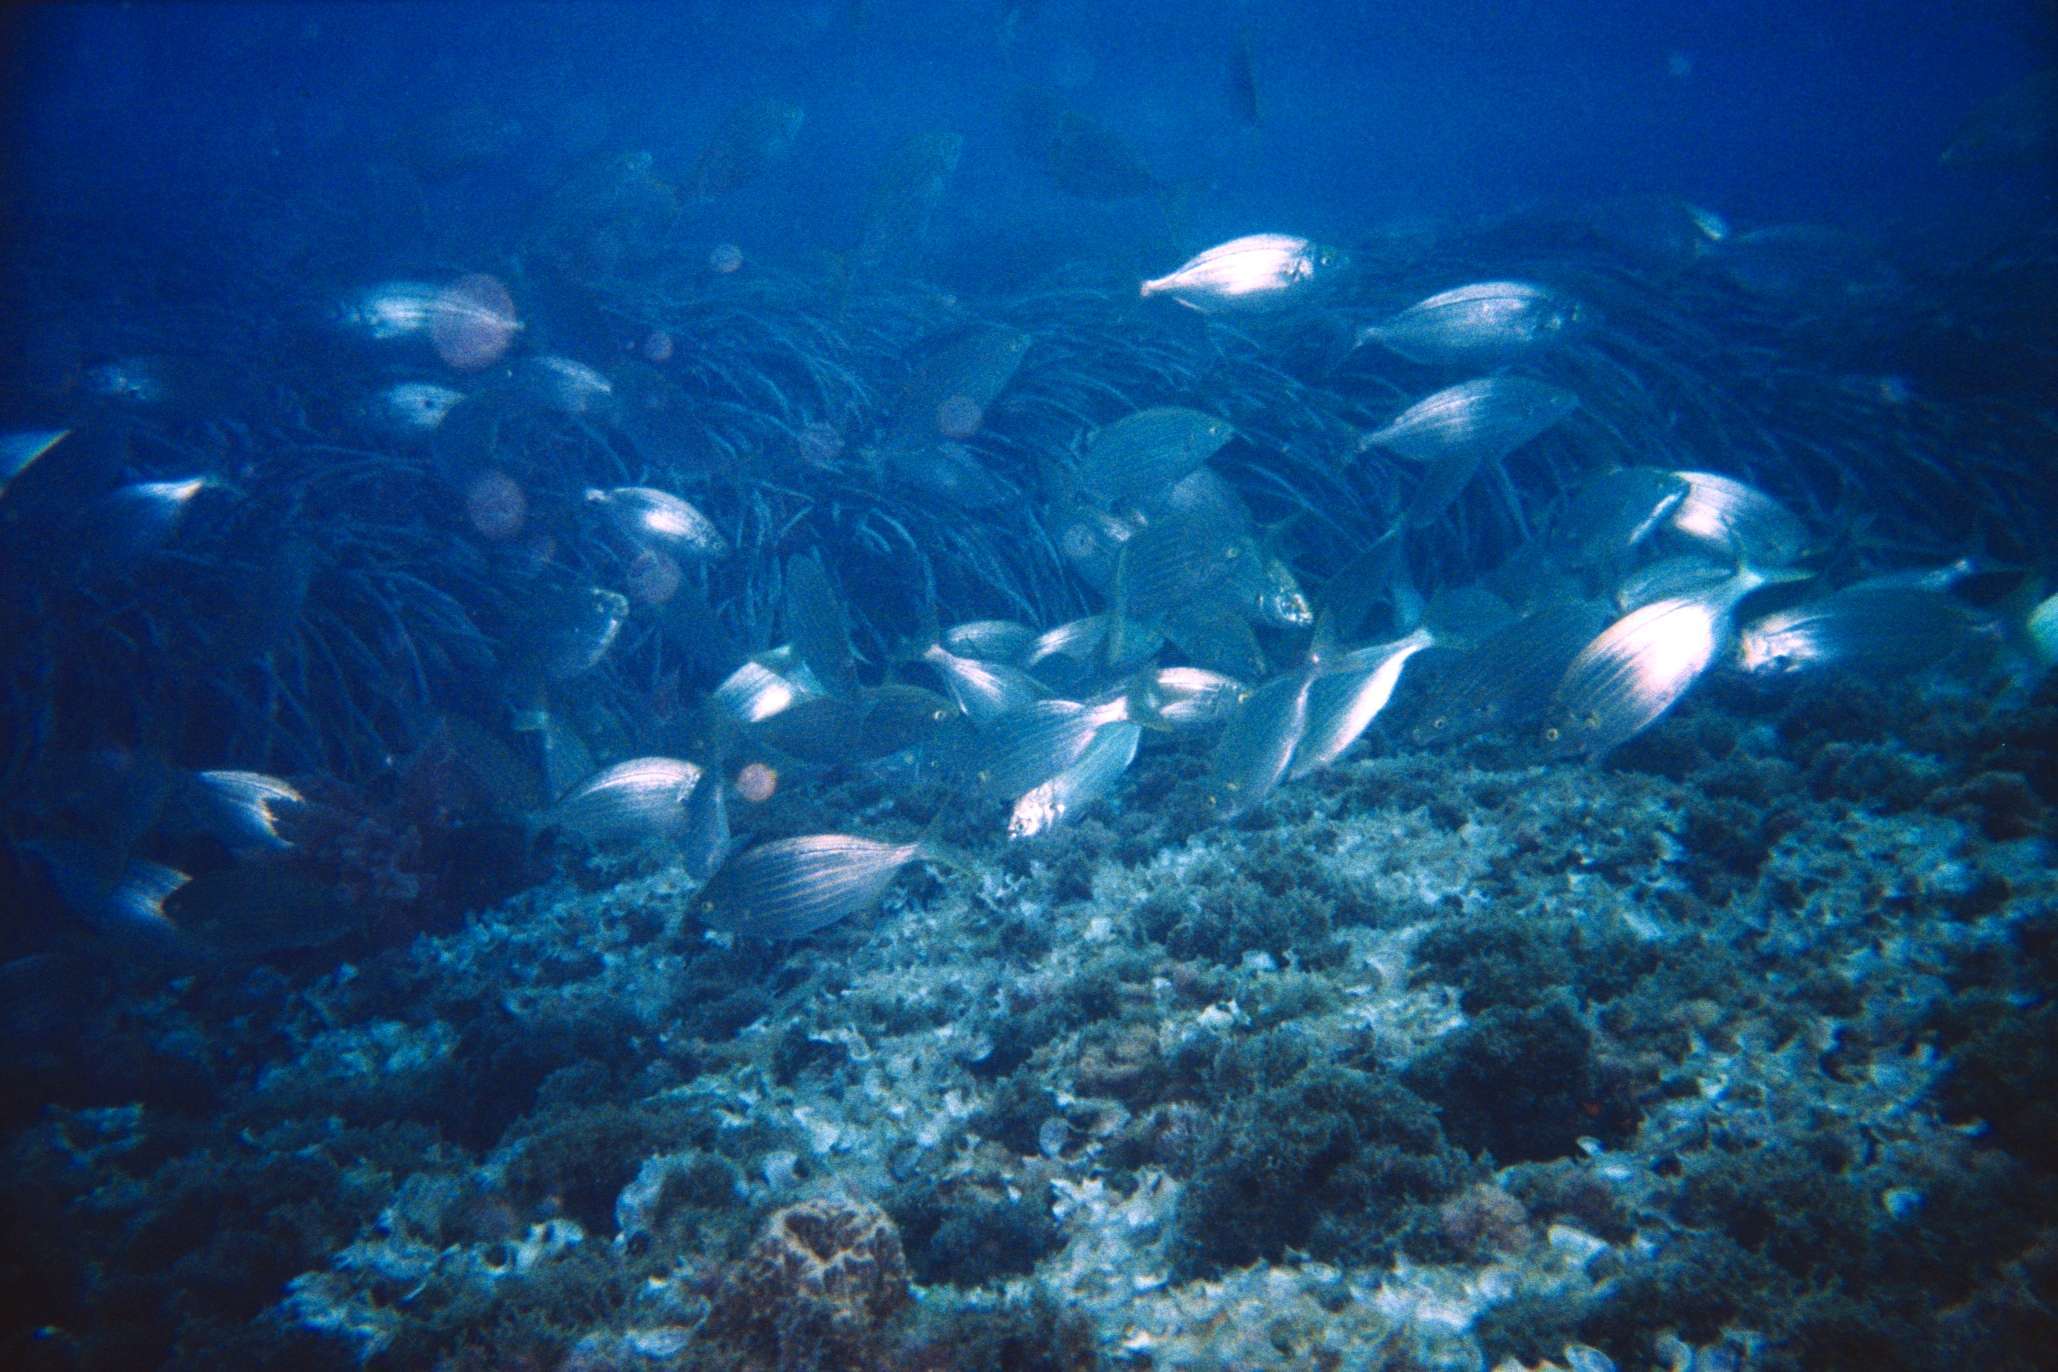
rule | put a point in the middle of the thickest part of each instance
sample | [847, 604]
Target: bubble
[724, 258]
[657, 346]
[756, 782]
[959, 417]
[820, 444]
[496, 506]
[473, 322]
[653, 577]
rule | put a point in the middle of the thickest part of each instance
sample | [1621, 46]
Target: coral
[819, 1287]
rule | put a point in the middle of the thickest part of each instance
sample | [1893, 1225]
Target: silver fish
[791, 887]
[1877, 631]
[389, 310]
[574, 630]
[1613, 513]
[564, 384]
[1092, 775]
[1735, 519]
[1347, 695]
[1687, 574]
[757, 690]
[243, 808]
[1642, 664]
[991, 640]
[1020, 751]
[1260, 271]
[1461, 428]
[642, 798]
[142, 516]
[1194, 697]
[409, 409]
[1507, 679]
[1144, 454]
[654, 517]
[1253, 753]
[1487, 322]
[19, 450]
[983, 690]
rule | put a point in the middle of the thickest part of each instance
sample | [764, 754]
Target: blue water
[416, 414]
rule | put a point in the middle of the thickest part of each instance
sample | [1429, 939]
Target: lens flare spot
[653, 577]
[756, 783]
[724, 258]
[496, 506]
[473, 322]
[959, 416]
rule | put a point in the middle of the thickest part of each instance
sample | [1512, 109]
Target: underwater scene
[900, 686]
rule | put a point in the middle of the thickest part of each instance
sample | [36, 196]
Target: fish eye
[939, 715]
[1551, 734]
[1592, 721]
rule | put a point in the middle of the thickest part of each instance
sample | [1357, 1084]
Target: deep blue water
[1317, 955]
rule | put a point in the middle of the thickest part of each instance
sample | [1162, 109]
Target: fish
[1213, 635]
[564, 384]
[1613, 513]
[984, 691]
[790, 887]
[19, 451]
[572, 630]
[756, 136]
[1171, 563]
[1082, 156]
[559, 753]
[255, 909]
[409, 409]
[388, 310]
[863, 725]
[991, 640]
[1243, 81]
[2040, 630]
[1879, 631]
[1661, 232]
[1507, 679]
[1735, 519]
[1487, 322]
[1194, 697]
[1687, 574]
[704, 835]
[1018, 752]
[113, 895]
[655, 518]
[1089, 778]
[1347, 694]
[1461, 428]
[1275, 596]
[2018, 126]
[818, 624]
[1260, 271]
[1806, 265]
[905, 196]
[1640, 666]
[1142, 455]
[1253, 754]
[629, 802]
[140, 517]
[953, 378]
[243, 809]
[757, 690]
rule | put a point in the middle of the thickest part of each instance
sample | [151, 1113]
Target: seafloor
[1732, 1052]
